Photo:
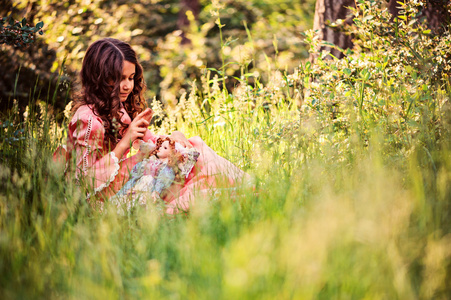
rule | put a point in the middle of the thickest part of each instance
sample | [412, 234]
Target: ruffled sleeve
[97, 167]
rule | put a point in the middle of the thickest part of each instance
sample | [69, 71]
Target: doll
[167, 162]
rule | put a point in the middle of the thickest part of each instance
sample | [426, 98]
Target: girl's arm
[97, 167]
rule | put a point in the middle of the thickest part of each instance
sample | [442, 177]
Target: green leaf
[326, 43]
[248, 74]
[40, 25]
[24, 21]
[230, 42]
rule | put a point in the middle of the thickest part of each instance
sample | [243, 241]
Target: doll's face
[165, 150]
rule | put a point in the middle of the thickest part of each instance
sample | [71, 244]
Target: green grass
[352, 198]
[335, 215]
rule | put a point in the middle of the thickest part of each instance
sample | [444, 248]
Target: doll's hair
[101, 76]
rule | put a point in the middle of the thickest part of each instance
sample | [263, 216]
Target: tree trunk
[435, 11]
[329, 11]
[183, 22]
[393, 7]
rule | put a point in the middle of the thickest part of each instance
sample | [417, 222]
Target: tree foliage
[272, 40]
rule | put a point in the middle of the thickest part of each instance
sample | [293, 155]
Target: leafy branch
[18, 34]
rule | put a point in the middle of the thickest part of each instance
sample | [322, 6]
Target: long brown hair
[100, 77]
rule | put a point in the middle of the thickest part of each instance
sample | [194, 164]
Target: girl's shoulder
[85, 114]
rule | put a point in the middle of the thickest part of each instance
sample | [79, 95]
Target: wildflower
[67, 110]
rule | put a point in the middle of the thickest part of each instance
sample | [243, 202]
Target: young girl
[109, 115]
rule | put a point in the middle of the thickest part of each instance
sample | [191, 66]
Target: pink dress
[105, 173]
[211, 173]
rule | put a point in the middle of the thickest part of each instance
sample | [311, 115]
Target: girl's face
[127, 81]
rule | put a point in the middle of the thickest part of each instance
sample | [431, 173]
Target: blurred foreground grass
[336, 214]
[352, 199]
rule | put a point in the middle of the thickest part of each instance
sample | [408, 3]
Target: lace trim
[88, 147]
[112, 176]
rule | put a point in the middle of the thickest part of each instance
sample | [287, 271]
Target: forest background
[339, 110]
[173, 47]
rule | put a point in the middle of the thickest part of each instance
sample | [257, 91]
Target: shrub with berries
[19, 34]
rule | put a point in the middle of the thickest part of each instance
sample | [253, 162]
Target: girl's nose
[126, 85]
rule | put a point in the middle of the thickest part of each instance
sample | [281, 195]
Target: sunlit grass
[334, 215]
[351, 200]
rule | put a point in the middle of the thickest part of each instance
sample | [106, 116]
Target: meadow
[352, 165]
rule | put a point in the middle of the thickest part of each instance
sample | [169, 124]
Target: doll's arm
[164, 179]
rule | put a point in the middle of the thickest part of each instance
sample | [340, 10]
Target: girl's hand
[147, 114]
[136, 129]
[180, 138]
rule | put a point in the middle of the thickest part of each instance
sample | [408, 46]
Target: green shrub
[18, 34]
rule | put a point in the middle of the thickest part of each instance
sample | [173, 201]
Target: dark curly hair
[100, 77]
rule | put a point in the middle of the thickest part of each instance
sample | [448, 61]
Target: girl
[109, 115]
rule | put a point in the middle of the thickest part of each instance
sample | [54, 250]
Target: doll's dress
[150, 178]
[149, 175]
